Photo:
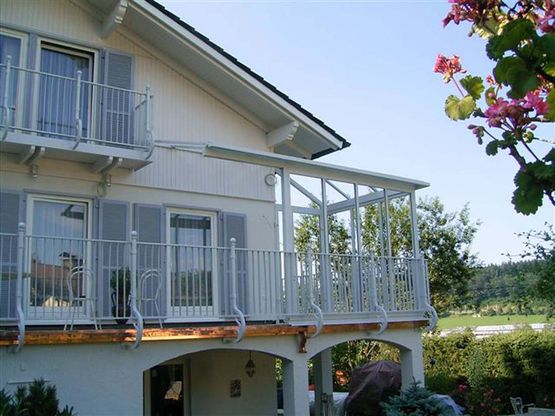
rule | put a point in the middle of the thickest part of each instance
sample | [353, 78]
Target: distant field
[455, 321]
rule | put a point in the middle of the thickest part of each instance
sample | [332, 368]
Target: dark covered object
[371, 384]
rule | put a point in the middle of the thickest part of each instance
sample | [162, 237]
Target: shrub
[483, 374]
[39, 399]
[415, 401]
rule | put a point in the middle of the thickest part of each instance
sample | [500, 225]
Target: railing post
[374, 294]
[317, 311]
[19, 286]
[148, 127]
[78, 121]
[136, 315]
[240, 318]
[5, 103]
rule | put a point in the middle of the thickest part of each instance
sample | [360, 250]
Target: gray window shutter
[117, 106]
[113, 226]
[30, 80]
[10, 215]
[150, 226]
[234, 226]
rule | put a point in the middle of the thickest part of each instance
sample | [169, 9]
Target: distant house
[149, 188]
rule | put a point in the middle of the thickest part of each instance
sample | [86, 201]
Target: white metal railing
[128, 281]
[74, 109]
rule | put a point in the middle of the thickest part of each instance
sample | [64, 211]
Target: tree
[540, 245]
[520, 94]
[445, 240]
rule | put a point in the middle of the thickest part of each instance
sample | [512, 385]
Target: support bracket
[114, 19]
[31, 158]
[282, 134]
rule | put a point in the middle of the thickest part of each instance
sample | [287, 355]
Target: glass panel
[58, 247]
[58, 94]
[192, 261]
[9, 46]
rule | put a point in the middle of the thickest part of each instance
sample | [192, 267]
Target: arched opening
[225, 381]
[380, 367]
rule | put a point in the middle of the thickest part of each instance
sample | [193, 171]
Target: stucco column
[412, 364]
[295, 387]
[323, 380]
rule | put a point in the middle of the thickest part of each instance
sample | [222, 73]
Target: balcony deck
[48, 115]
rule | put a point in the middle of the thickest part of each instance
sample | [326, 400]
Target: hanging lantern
[250, 368]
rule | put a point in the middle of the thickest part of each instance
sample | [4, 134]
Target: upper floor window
[57, 97]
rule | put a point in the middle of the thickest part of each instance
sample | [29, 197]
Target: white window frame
[20, 90]
[193, 313]
[61, 313]
[69, 48]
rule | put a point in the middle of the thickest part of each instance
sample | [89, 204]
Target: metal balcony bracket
[241, 327]
[383, 320]
[319, 319]
[138, 325]
[432, 314]
[105, 166]
[31, 158]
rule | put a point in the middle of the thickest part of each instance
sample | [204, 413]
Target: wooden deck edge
[103, 336]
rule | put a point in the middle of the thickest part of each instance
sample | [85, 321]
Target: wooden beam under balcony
[118, 335]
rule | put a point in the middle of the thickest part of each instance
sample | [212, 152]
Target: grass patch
[455, 321]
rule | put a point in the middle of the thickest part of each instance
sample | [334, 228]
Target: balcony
[75, 282]
[70, 118]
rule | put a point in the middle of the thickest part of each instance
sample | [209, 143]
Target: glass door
[192, 261]
[57, 246]
[57, 100]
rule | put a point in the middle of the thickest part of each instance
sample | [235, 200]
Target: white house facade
[150, 184]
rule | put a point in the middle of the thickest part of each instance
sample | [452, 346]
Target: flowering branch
[520, 94]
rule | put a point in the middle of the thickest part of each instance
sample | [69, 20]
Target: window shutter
[116, 105]
[234, 226]
[10, 203]
[113, 225]
[150, 226]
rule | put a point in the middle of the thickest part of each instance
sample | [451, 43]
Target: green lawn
[455, 321]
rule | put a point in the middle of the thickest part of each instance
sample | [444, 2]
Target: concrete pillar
[323, 380]
[412, 364]
[295, 388]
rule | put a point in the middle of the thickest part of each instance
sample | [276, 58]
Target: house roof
[258, 77]
[212, 64]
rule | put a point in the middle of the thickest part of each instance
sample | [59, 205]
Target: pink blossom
[448, 66]
[532, 101]
[546, 23]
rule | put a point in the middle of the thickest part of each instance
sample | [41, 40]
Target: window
[192, 259]
[11, 44]
[57, 101]
[59, 229]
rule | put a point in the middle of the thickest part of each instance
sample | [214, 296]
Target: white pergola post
[357, 249]
[325, 278]
[418, 266]
[288, 242]
[295, 388]
[390, 270]
[323, 381]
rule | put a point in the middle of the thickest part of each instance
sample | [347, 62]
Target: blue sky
[365, 68]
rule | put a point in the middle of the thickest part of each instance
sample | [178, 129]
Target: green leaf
[489, 100]
[528, 196]
[547, 45]
[509, 39]
[549, 68]
[504, 65]
[492, 148]
[551, 102]
[457, 109]
[521, 82]
[473, 85]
